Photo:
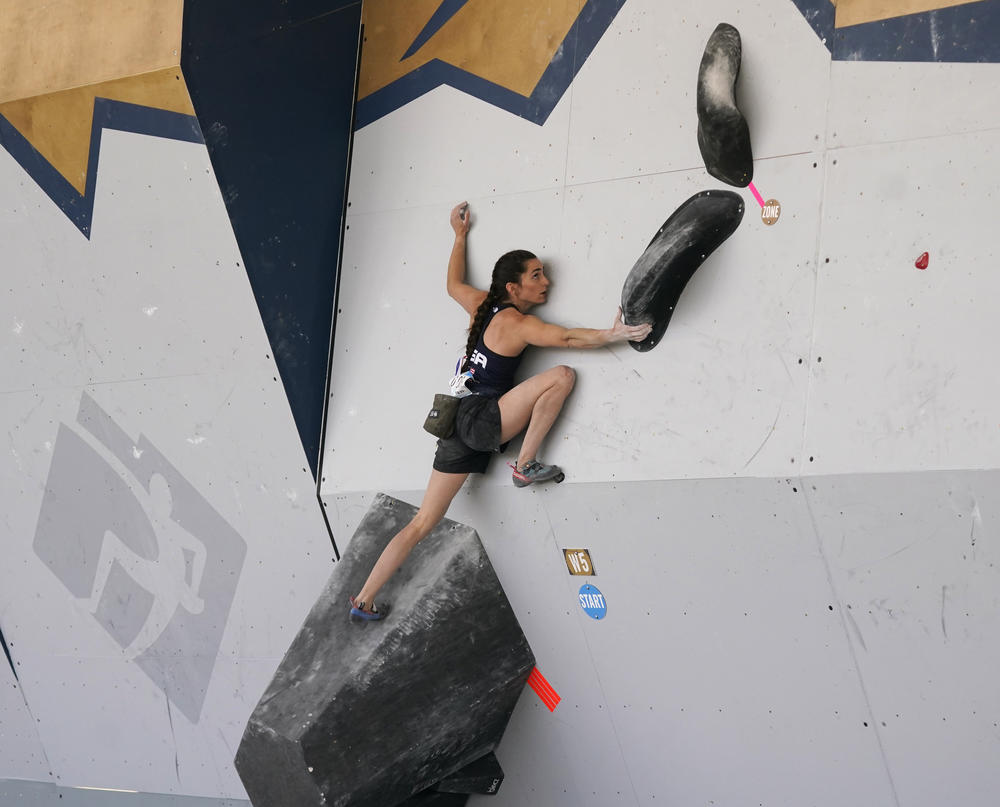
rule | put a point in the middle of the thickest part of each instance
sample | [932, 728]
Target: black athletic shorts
[476, 437]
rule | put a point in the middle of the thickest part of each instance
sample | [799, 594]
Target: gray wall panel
[915, 561]
[722, 670]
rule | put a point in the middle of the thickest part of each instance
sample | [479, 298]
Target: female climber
[498, 409]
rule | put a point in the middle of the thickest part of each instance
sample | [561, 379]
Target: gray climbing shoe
[533, 471]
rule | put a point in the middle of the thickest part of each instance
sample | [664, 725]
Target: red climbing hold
[922, 261]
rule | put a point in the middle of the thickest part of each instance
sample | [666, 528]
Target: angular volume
[379, 712]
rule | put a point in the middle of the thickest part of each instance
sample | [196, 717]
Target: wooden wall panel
[60, 44]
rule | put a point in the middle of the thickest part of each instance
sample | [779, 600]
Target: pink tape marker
[756, 195]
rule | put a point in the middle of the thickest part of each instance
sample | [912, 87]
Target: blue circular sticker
[592, 602]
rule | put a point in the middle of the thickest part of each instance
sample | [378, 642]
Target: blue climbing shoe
[362, 611]
[533, 471]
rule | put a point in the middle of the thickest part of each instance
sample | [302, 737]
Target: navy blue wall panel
[273, 87]
[964, 33]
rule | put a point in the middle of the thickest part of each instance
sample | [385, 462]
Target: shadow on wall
[6, 652]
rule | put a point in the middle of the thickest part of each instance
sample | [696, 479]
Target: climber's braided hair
[508, 269]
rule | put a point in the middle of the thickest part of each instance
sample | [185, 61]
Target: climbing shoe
[534, 471]
[369, 613]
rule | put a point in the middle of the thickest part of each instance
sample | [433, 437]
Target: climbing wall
[789, 503]
[787, 509]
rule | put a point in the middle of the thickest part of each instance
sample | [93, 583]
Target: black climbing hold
[723, 134]
[680, 246]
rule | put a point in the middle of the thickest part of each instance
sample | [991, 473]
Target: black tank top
[493, 373]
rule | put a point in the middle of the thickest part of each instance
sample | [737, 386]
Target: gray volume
[372, 713]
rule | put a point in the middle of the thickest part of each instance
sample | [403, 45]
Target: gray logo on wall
[150, 558]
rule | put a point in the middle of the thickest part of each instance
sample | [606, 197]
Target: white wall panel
[33, 419]
[142, 357]
[32, 319]
[21, 752]
[723, 392]
[399, 335]
[457, 148]
[135, 740]
[103, 723]
[634, 110]
[44, 794]
[723, 395]
[882, 102]
[141, 298]
[288, 559]
[899, 378]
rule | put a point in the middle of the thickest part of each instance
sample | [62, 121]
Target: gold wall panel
[508, 42]
[58, 124]
[59, 44]
[855, 12]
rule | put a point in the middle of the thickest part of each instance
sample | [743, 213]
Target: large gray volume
[371, 713]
